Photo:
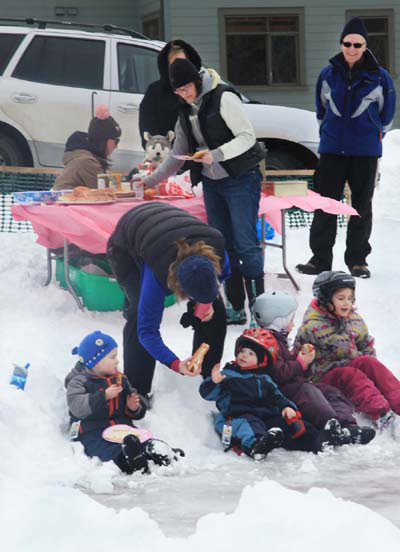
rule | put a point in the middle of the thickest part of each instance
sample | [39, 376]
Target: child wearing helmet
[318, 402]
[253, 413]
[344, 351]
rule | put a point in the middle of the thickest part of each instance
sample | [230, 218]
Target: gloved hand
[296, 425]
[188, 318]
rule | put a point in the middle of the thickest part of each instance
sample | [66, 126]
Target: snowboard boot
[133, 451]
[360, 435]
[264, 444]
[161, 453]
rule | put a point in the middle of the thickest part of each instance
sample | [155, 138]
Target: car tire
[281, 160]
[10, 152]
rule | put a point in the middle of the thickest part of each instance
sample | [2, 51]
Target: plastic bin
[99, 293]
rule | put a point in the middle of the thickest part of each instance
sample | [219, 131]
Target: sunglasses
[356, 45]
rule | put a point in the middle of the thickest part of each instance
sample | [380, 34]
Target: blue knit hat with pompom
[94, 347]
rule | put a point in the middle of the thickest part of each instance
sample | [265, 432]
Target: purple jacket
[287, 371]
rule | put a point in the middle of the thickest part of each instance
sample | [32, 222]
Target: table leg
[49, 268]
[66, 276]
[296, 285]
[281, 246]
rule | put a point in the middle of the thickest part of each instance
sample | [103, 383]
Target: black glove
[189, 319]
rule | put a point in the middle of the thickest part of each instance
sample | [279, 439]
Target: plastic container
[269, 231]
[36, 197]
[99, 293]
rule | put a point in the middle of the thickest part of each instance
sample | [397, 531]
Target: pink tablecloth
[90, 226]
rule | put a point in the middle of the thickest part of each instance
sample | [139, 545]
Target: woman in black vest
[212, 120]
[156, 250]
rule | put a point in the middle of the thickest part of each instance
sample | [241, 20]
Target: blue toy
[19, 376]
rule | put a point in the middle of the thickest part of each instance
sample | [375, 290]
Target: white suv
[49, 78]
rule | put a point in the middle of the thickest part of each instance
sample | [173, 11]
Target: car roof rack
[42, 24]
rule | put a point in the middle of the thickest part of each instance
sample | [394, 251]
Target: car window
[137, 68]
[8, 44]
[63, 61]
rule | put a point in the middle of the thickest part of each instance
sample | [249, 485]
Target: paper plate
[117, 433]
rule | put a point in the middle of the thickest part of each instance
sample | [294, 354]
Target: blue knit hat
[354, 26]
[93, 348]
[198, 278]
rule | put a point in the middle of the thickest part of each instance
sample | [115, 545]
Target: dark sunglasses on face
[356, 45]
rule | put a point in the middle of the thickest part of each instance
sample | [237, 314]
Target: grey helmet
[272, 309]
[327, 282]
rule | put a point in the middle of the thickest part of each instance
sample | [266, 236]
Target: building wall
[117, 12]
[198, 23]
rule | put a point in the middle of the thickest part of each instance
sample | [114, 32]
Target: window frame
[245, 12]
[387, 13]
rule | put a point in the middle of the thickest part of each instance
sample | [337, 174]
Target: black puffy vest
[216, 133]
[148, 233]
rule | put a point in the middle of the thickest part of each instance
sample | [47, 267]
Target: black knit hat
[103, 127]
[181, 72]
[354, 26]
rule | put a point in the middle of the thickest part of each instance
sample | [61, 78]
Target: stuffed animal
[157, 147]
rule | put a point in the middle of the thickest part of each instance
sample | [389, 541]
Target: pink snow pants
[368, 384]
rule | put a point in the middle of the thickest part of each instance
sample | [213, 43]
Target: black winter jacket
[159, 108]
[148, 234]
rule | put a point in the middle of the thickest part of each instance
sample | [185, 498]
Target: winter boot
[237, 317]
[385, 422]
[133, 451]
[254, 288]
[360, 435]
[331, 436]
[272, 439]
[160, 452]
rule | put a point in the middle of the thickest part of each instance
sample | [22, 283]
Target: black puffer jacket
[149, 232]
[159, 108]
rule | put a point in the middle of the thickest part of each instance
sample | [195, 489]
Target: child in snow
[253, 412]
[344, 351]
[100, 396]
[318, 402]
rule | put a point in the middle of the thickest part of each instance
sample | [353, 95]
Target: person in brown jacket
[86, 154]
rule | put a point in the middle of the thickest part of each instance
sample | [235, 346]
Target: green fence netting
[19, 182]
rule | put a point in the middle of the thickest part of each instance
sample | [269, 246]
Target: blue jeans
[232, 206]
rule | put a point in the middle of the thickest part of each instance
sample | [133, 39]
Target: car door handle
[22, 97]
[128, 108]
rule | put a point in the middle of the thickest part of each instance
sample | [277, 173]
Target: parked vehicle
[48, 76]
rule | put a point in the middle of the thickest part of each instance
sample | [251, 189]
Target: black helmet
[327, 282]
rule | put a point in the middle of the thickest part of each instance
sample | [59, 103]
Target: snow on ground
[51, 493]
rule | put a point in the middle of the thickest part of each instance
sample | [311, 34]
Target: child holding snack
[100, 396]
[253, 412]
[344, 351]
[318, 402]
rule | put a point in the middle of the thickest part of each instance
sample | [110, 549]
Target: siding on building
[198, 23]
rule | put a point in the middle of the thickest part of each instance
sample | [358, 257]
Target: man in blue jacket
[356, 102]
